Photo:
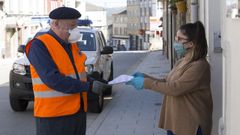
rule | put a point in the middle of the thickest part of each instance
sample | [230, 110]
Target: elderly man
[58, 75]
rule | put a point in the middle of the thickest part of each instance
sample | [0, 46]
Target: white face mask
[74, 35]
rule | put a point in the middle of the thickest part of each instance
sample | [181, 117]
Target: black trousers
[66, 125]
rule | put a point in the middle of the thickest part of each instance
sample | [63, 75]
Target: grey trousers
[66, 125]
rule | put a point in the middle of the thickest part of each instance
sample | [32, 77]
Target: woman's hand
[136, 74]
[137, 82]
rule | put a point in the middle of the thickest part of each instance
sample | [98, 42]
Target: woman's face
[181, 38]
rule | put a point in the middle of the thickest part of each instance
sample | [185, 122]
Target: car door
[106, 59]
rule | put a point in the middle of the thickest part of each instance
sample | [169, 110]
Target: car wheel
[18, 104]
[96, 105]
[108, 91]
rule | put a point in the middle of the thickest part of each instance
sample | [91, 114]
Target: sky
[109, 3]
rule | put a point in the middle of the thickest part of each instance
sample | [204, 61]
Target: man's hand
[98, 87]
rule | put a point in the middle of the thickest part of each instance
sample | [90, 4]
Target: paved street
[22, 123]
[127, 112]
[133, 112]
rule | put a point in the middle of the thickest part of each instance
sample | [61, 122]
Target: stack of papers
[121, 79]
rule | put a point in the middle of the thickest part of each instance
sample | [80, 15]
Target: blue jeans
[199, 132]
[169, 132]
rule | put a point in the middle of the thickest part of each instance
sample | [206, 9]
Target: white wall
[99, 19]
[231, 66]
[209, 14]
[82, 8]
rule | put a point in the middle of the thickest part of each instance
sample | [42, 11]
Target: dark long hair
[196, 33]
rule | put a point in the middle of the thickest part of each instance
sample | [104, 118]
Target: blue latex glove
[136, 74]
[137, 82]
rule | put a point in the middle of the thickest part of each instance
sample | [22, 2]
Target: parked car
[99, 65]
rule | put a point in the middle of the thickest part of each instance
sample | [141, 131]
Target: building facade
[133, 26]
[19, 24]
[120, 36]
[139, 14]
[20, 20]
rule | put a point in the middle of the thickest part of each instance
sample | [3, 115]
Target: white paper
[121, 79]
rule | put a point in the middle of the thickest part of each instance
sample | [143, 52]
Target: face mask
[179, 49]
[74, 35]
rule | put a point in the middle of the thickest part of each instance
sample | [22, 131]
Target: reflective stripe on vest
[82, 76]
[48, 94]
[52, 93]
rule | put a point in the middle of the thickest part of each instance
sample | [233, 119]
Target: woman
[187, 104]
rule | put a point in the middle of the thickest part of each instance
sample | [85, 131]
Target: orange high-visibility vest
[49, 102]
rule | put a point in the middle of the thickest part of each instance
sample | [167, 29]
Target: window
[125, 19]
[100, 43]
[120, 33]
[125, 31]
[87, 41]
[102, 40]
[145, 11]
[150, 11]
[115, 31]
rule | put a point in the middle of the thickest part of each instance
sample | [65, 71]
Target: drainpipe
[194, 11]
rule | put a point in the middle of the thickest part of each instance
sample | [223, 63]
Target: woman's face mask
[180, 50]
[74, 35]
[181, 44]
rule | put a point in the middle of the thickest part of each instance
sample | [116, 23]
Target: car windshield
[87, 42]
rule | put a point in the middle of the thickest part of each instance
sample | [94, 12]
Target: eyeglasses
[182, 40]
[177, 38]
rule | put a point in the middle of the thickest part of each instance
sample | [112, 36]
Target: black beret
[64, 13]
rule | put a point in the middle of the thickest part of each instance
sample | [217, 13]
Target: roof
[123, 12]
[92, 7]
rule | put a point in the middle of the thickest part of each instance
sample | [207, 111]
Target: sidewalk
[133, 112]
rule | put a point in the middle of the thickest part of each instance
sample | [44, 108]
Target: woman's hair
[196, 33]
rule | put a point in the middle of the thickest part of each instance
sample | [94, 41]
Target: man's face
[67, 24]
[62, 27]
